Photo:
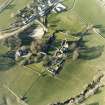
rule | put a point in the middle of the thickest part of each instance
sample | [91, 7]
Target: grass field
[6, 14]
[42, 90]
[1, 1]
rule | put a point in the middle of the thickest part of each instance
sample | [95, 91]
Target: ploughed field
[42, 90]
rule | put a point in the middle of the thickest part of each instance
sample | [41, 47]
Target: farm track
[5, 4]
[21, 29]
[4, 35]
[73, 6]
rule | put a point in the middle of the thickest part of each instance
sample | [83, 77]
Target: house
[59, 8]
[51, 2]
[64, 45]
[51, 39]
[54, 5]
[22, 52]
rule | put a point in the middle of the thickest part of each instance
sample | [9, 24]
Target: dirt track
[21, 29]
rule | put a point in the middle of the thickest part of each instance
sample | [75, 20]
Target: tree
[76, 54]
[33, 47]
[13, 42]
[44, 9]
[36, 46]
[46, 61]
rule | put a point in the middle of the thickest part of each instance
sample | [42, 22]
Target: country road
[5, 4]
[6, 35]
[21, 29]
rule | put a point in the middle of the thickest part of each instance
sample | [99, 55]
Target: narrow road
[6, 35]
[73, 6]
[98, 33]
[5, 4]
[18, 99]
[21, 29]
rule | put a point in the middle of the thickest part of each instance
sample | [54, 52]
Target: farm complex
[52, 52]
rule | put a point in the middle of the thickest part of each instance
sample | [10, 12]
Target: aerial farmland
[52, 52]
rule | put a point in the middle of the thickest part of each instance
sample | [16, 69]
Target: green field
[1, 1]
[5, 16]
[42, 90]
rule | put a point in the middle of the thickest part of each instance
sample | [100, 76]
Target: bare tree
[13, 42]
[35, 46]
[76, 53]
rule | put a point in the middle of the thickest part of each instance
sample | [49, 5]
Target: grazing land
[34, 81]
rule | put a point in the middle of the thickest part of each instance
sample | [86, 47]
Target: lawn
[42, 90]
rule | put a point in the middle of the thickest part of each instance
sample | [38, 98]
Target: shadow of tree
[81, 33]
[91, 53]
[98, 26]
[85, 52]
[53, 25]
[11, 6]
[54, 21]
[25, 36]
[101, 28]
[6, 63]
[95, 103]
